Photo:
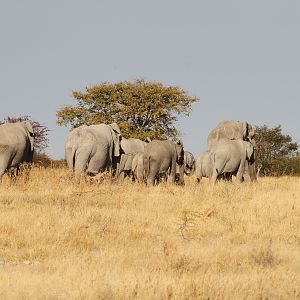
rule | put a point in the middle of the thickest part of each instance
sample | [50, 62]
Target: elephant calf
[203, 166]
[138, 167]
[125, 166]
[161, 157]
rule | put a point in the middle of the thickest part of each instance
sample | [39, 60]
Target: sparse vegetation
[60, 240]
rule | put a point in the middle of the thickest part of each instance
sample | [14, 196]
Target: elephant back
[232, 130]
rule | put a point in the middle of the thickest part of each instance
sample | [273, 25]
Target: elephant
[203, 166]
[16, 145]
[125, 166]
[92, 149]
[129, 146]
[229, 157]
[235, 130]
[160, 158]
[138, 167]
[188, 165]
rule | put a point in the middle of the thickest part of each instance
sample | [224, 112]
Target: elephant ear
[245, 130]
[179, 151]
[249, 150]
[117, 137]
[30, 133]
[115, 128]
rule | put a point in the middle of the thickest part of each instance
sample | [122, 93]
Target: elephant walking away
[16, 145]
[229, 158]
[235, 130]
[203, 166]
[161, 157]
[92, 149]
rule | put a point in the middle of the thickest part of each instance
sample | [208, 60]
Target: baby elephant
[230, 156]
[203, 166]
[138, 167]
[161, 157]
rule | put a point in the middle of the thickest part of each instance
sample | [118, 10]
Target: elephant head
[117, 136]
[248, 133]
[189, 163]
[30, 133]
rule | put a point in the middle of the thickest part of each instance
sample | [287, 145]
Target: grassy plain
[61, 240]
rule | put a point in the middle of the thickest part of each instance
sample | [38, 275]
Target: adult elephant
[235, 130]
[93, 148]
[16, 145]
[161, 157]
[203, 166]
[230, 157]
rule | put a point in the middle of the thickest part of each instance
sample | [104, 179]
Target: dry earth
[59, 240]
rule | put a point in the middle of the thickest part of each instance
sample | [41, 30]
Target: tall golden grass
[62, 240]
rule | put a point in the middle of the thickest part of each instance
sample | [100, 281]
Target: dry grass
[59, 240]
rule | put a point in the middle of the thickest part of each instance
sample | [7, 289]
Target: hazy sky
[242, 58]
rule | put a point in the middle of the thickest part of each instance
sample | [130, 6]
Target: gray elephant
[138, 167]
[203, 166]
[129, 146]
[93, 148]
[235, 130]
[16, 145]
[160, 158]
[125, 166]
[230, 157]
[188, 165]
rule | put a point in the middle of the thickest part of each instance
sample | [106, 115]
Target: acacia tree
[276, 153]
[141, 109]
[41, 139]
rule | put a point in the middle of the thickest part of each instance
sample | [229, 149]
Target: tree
[41, 139]
[276, 153]
[141, 109]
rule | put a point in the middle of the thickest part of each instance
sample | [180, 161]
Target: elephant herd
[90, 150]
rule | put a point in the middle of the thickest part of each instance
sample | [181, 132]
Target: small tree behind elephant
[230, 157]
[92, 149]
[161, 157]
[235, 130]
[16, 145]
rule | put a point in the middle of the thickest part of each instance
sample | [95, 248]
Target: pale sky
[242, 58]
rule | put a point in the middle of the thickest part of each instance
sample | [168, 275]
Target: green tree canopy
[276, 153]
[141, 109]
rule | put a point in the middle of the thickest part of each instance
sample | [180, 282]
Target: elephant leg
[150, 181]
[4, 163]
[240, 172]
[214, 176]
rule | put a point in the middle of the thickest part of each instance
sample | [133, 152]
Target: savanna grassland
[61, 240]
